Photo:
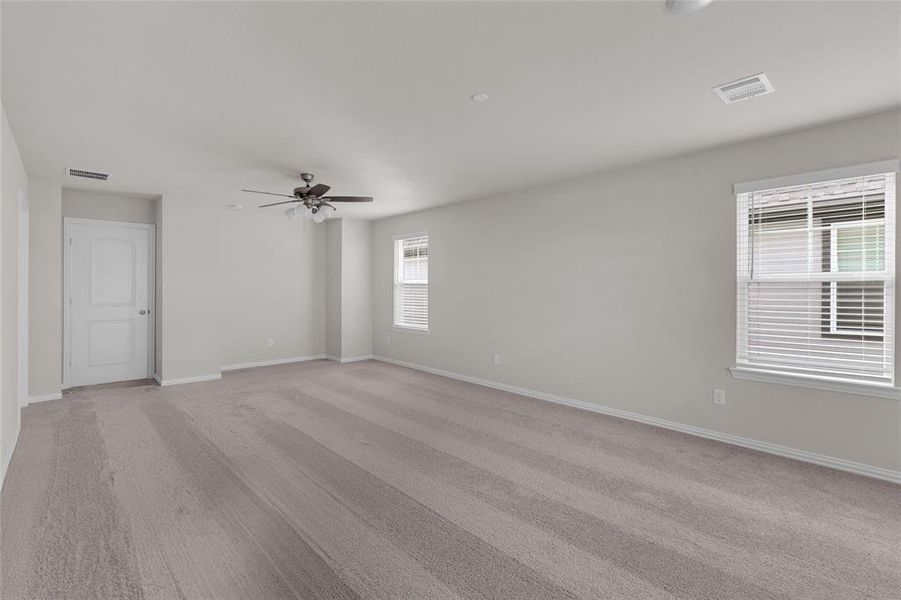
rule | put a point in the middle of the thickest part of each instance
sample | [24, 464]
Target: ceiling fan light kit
[317, 215]
[310, 202]
[686, 7]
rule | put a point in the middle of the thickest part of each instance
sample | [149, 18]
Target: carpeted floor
[367, 480]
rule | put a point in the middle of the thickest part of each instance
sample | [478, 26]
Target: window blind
[411, 282]
[816, 279]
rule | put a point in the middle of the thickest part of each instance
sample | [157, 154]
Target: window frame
[830, 327]
[405, 327]
[749, 371]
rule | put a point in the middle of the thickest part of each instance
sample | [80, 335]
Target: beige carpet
[368, 480]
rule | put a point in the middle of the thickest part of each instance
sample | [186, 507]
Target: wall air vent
[87, 174]
[744, 89]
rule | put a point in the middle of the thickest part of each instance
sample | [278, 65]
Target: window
[411, 282]
[816, 279]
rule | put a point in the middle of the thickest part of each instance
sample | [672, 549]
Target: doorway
[108, 301]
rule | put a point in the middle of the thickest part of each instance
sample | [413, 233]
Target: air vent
[744, 89]
[88, 174]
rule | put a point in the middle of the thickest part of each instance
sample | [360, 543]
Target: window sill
[817, 383]
[404, 329]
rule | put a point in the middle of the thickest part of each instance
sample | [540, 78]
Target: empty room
[450, 300]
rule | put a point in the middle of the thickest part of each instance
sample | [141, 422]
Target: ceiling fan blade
[348, 198]
[268, 193]
[277, 203]
[318, 190]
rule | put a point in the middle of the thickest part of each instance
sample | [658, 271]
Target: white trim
[873, 168]
[784, 451]
[409, 236]
[275, 361]
[8, 458]
[67, 289]
[883, 275]
[349, 359]
[157, 378]
[151, 303]
[108, 222]
[408, 329]
[45, 397]
[196, 379]
[24, 286]
[827, 384]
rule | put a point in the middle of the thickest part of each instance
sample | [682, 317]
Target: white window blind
[816, 279]
[411, 282]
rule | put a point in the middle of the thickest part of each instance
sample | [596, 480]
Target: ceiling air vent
[88, 174]
[744, 89]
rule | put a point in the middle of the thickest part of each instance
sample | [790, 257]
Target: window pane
[860, 248]
[816, 279]
[411, 278]
[859, 307]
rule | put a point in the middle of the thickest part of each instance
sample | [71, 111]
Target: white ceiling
[373, 97]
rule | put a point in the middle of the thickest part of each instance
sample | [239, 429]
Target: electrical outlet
[719, 397]
[496, 358]
[270, 343]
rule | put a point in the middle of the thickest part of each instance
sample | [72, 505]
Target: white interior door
[109, 301]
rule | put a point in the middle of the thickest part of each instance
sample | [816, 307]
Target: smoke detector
[87, 174]
[744, 89]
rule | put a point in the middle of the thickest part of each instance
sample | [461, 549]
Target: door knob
[142, 312]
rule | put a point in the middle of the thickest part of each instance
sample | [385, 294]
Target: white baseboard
[275, 361]
[349, 359]
[196, 379]
[8, 456]
[45, 397]
[784, 451]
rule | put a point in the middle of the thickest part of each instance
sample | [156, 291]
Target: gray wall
[109, 207]
[348, 313]
[334, 229]
[356, 289]
[619, 289]
[192, 307]
[226, 282]
[14, 180]
[272, 286]
[45, 298]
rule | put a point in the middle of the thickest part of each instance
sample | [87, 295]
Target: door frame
[24, 287]
[68, 222]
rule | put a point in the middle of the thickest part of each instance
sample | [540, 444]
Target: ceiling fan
[310, 202]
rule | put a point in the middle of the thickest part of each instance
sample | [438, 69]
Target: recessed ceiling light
[481, 97]
[685, 7]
